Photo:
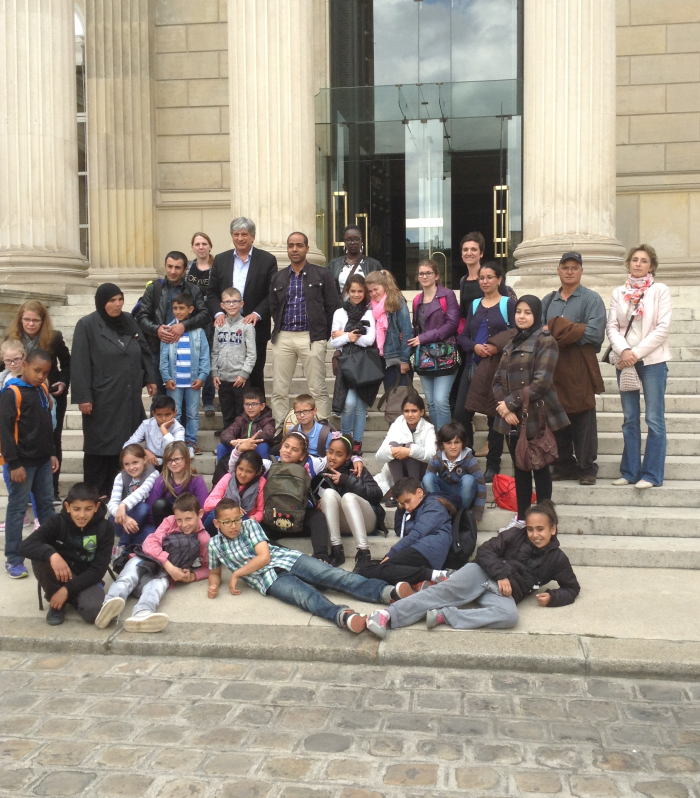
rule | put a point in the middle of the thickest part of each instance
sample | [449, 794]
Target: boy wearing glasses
[233, 356]
[256, 419]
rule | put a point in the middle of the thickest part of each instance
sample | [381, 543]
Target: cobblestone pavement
[201, 728]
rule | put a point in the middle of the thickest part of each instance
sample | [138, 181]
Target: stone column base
[47, 272]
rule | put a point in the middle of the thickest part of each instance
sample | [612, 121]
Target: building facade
[132, 124]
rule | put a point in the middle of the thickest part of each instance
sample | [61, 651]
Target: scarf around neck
[535, 306]
[355, 314]
[104, 293]
[381, 322]
[635, 288]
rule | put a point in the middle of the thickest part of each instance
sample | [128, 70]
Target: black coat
[110, 372]
[153, 311]
[256, 293]
[510, 555]
[322, 300]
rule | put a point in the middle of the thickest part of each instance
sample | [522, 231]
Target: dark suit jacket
[256, 294]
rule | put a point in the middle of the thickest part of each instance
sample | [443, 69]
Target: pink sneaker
[434, 618]
[378, 623]
[36, 524]
[27, 520]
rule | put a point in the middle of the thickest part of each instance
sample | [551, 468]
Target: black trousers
[579, 438]
[407, 468]
[101, 470]
[463, 381]
[407, 565]
[315, 527]
[162, 509]
[523, 482]
[88, 602]
[495, 439]
[257, 375]
[231, 400]
[61, 405]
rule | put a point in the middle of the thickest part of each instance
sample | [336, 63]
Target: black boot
[337, 555]
[363, 555]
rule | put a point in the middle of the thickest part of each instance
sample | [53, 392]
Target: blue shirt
[294, 319]
[183, 363]
[240, 271]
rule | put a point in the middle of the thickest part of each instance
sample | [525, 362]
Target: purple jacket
[439, 326]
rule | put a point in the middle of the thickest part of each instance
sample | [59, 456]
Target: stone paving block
[679, 739]
[18, 701]
[538, 782]
[633, 735]
[182, 759]
[411, 775]
[354, 792]
[432, 700]
[229, 764]
[593, 786]
[350, 770]
[64, 783]
[471, 727]
[161, 735]
[17, 724]
[650, 714]
[559, 685]
[476, 778]
[244, 691]
[125, 785]
[114, 707]
[293, 694]
[253, 716]
[183, 788]
[661, 788]
[676, 764]
[63, 753]
[224, 669]
[137, 666]
[194, 689]
[386, 746]
[15, 778]
[400, 721]
[62, 683]
[294, 791]
[543, 708]
[12, 750]
[522, 730]
[440, 749]
[362, 720]
[150, 687]
[608, 688]
[274, 740]
[220, 737]
[107, 731]
[592, 710]
[558, 758]
[180, 668]
[156, 711]
[385, 699]
[323, 742]
[575, 732]
[506, 683]
[660, 691]
[101, 685]
[498, 754]
[689, 717]
[204, 713]
[618, 761]
[287, 768]
[303, 717]
[122, 756]
[273, 673]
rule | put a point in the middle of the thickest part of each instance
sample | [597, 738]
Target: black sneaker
[55, 617]
[391, 502]
[337, 555]
[57, 500]
[363, 555]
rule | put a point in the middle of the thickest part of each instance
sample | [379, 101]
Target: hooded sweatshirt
[233, 352]
[34, 445]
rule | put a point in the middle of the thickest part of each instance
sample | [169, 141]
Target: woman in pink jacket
[639, 322]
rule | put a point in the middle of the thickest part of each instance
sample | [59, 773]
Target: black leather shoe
[490, 474]
[337, 555]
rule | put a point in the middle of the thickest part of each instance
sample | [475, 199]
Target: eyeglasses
[231, 301]
[355, 240]
[176, 460]
[31, 321]
[14, 362]
[229, 522]
[304, 412]
[251, 404]
[426, 274]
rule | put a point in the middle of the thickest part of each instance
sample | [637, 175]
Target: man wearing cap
[575, 317]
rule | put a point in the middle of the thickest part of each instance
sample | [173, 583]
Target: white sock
[437, 575]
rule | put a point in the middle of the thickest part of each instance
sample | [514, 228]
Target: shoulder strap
[322, 438]
[18, 401]
[443, 304]
[548, 300]
[503, 307]
[475, 305]
[416, 302]
[355, 267]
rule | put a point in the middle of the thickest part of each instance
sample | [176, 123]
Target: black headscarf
[104, 293]
[536, 307]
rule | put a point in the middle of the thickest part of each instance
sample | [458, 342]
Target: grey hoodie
[233, 352]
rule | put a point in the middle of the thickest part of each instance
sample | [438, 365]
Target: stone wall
[658, 130]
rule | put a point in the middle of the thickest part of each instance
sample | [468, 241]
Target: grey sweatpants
[133, 579]
[470, 583]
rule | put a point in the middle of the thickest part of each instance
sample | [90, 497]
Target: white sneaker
[643, 484]
[27, 520]
[146, 621]
[514, 524]
[110, 610]
[618, 483]
[190, 449]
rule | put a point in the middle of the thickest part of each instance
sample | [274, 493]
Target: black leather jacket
[154, 309]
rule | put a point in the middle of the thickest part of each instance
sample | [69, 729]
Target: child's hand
[60, 568]
[189, 575]
[170, 385]
[239, 382]
[131, 526]
[217, 382]
[212, 591]
[232, 585]
[543, 599]
[334, 476]
[165, 427]
[59, 598]
[249, 444]
[18, 474]
[505, 587]
[400, 452]
[150, 457]
[357, 467]
[197, 384]
[176, 573]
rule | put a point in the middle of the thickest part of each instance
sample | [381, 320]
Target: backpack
[463, 539]
[285, 495]
[18, 401]
[137, 306]
[504, 493]
[326, 429]
[502, 306]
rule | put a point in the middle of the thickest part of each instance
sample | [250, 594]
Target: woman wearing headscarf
[528, 361]
[111, 362]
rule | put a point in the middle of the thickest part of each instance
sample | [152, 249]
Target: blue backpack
[502, 306]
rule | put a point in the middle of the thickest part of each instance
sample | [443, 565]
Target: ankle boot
[337, 555]
[357, 449]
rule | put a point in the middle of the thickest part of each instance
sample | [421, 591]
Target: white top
[655, 326]
[139, 495]
[340, 319]
[423, 447]
[149, 436]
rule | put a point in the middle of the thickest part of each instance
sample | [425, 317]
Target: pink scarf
[381, 322]
[635, 288]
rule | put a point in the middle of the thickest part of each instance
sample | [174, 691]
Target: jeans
[465, 488]
[437, 392]
[39, 481]
[6, 477]
[139, 514]
[191, 400]
[470, 583]
[654, 386]
[150, 590]
[354, 416]
[263, 449]
[298, 587]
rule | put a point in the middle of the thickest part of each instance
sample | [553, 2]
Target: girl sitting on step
[244, 484]
[176, 478]
[128, 504]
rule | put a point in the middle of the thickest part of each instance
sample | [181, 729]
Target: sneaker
[433, 618]
[378, 623]
[363, 555]
[57, 500]
[424, 585]
[337, 555]
[514, 524]
[643, 484]
[353, 622]
[56, 617]
[110, 610]
[402, 590]
[209, 411]
[190, 449]
[36, 524]
[587, 479]
[618, 483]
[16, 570]
[146, 621]
[197, 450]
[2, 527]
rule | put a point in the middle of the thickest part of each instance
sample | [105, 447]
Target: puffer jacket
[423, 447]
[428, 530]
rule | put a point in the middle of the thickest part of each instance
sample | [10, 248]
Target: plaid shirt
[294, 318]
[237, 552]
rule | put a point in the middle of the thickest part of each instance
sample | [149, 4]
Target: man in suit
[250, 270]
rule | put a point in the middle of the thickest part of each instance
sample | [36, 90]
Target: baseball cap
[571, 256]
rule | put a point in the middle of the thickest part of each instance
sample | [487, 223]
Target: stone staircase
[599, 525]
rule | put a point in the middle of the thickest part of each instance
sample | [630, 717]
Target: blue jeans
[139, 514]
[354, 417]
[39, 482]
[437, 392]
[191, 400]
[6, 477]
[465, 488]
[298, 587]
[208, 523]
[654, 386]
[263, 449]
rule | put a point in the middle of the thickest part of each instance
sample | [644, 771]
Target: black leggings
[162, 508]
[315, 527]
[523, 481]
[407, 565]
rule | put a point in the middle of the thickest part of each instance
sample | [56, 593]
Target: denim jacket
[399, 331]
[199, 349]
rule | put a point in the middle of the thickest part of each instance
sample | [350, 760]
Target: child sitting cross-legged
[455, 470]
[70, 553]
[244, 485]
[508, 568]
[288, 575]
[132, 487]
[178, 477]
[176, 551]
[159, 431]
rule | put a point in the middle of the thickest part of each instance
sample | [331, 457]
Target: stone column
[271, 111]
[569, 139]
[39, 237]
[120, 142]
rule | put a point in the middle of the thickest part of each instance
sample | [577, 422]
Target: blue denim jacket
[199, 348]
[398, 333]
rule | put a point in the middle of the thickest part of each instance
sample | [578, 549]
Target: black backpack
[463, 539]
[286, 494]
[137, 306]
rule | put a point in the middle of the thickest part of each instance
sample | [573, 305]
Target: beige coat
[656, 324]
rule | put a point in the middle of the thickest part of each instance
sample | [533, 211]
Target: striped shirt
[235, 553]
[295, 319]
[183, 363]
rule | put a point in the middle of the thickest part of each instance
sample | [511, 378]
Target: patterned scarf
[635, 288]
[381, 322]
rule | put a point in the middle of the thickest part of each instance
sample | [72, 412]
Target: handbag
[540, 451]
[394, 398]
[360, 365]
[442, 356]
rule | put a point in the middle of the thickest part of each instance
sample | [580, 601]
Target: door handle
[344, 195]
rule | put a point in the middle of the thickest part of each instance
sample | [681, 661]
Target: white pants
[287, 350]
[349, 513]
[149, 590]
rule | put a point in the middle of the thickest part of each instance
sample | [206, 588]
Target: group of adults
[554, 354]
